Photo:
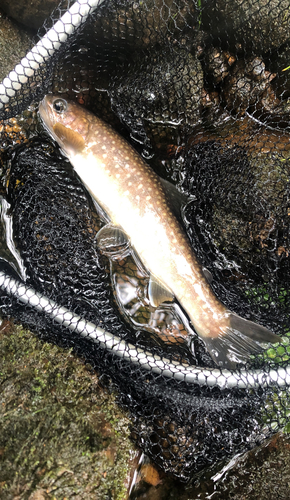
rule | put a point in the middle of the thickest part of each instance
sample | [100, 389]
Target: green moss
[60, 431]
[261, 295]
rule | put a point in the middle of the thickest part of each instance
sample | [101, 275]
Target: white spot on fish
[183, 266]
[104, 147]
[140, 186]
[117, 165]
[104, 155]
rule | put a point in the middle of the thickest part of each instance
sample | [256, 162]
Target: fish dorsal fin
[158, 293]
[175, 198]
[111, 239]
[72, 140]
[207, 274]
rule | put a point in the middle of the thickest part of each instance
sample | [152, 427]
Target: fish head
[67, 122]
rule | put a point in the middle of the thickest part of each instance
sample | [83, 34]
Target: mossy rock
[61, 433]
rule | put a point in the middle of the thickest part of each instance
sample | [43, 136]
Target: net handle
[45, 48]
[222, 378]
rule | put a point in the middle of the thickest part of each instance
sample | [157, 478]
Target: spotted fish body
[133, 197]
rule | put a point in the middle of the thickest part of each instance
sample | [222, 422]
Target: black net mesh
[199, 89]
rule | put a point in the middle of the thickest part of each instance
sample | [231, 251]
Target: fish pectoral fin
[111, 238]
[71, 139]
[238, 342]
[158, 293]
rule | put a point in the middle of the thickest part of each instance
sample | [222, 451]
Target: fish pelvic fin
[158, 293]
[238, 342]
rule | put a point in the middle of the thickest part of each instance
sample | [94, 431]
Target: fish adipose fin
[239, 341]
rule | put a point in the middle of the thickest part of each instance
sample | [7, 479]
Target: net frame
[222, 378]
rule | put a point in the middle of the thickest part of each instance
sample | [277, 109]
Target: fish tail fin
[238, 342]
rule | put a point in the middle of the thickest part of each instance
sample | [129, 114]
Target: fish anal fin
[158, 293]
[111, 239]
[175, 198]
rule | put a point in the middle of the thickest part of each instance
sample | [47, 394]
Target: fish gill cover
[199, 89]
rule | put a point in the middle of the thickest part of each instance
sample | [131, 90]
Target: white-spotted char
[133, 197]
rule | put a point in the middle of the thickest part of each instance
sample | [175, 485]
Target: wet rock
[32, 14]
[154, 103]
[244, 88]
[279, 63]
[261, 474]
[143, 24]
[14, 44]
[248, 25]
[217, 65]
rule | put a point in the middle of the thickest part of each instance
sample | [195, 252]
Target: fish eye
[60, 106]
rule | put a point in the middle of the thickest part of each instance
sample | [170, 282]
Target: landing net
[201, 90]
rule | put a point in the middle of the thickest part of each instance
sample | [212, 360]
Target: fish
[138, 209]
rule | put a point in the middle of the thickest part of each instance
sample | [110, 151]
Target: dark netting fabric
[198, 88]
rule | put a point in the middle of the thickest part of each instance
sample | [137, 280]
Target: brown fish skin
[133, 197]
